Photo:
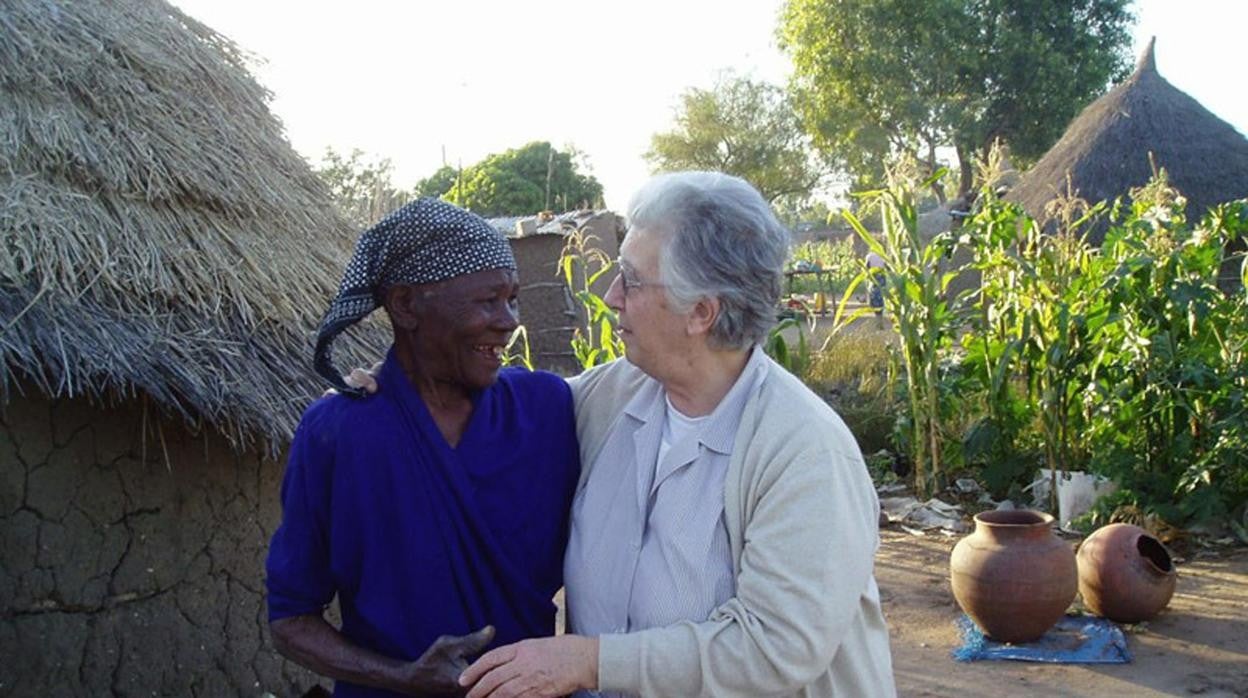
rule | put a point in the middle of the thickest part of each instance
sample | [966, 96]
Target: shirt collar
[647, 404]
[720, 430]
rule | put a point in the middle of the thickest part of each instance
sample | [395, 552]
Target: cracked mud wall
[129, 568]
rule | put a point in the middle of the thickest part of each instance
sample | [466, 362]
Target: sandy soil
[1197, 646]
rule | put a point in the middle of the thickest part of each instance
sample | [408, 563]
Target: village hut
[548, 309]
[1106, 151]
[165, 258]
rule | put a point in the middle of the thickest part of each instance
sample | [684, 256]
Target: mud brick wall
[546, 306]
[133, 566]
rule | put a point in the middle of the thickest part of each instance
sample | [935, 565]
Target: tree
[875, 79]
[745, 128]
[360, 188]
[526, 180]
[438, 183]
[804, 213]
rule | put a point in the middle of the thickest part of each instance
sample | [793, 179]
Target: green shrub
[1124, 359]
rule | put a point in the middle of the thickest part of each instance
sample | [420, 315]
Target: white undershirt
[676, 428]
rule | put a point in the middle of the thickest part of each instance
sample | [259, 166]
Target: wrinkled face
[463, 324]
[654, 335]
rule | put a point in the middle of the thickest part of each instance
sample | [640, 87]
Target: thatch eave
[160, 236]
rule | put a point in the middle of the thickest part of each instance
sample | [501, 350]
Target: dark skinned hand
[313, 643]
[439, 668]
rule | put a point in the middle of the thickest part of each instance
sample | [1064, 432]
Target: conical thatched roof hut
[165, 258]
[1105, 151]
[161, 237]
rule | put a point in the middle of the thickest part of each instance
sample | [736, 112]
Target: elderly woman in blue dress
[435, 511]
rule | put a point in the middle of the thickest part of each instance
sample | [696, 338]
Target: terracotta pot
[1012, 576]
[1125, 574]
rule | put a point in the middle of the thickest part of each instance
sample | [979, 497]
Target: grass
[850, 372]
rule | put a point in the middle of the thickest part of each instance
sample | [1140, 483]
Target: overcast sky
[412, 81]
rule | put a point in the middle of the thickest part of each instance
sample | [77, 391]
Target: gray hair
[720, 240]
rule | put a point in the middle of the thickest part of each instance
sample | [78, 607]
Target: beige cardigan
[802, 518]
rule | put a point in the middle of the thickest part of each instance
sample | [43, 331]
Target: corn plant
[797, 359]
[1171, 423]
[1064, 311]
[994, 346]
[517, 349]
[926, 320]
[581, 264]
[1130, 359]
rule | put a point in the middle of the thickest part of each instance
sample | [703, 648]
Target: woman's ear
[402, 303]
[702, 317]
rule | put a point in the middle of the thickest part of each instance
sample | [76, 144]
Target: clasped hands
[537, 668]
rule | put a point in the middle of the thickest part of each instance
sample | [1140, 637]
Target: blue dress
[418, 539]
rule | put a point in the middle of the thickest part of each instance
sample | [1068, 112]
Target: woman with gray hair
[724, 525]
[730, 246]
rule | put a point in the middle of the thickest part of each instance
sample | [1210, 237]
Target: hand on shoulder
[360, 378]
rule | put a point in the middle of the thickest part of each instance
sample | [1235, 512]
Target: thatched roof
[1106, 149]
[160, 236]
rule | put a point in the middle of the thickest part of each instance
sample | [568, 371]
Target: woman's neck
[698, 386]
[450, 404]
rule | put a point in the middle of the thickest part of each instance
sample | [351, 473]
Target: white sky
[406, 80]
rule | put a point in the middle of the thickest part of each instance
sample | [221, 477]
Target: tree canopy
[875, 79]
[535, 177]
[361, 188]
[742, 127]
[438, 183]
[525, 180]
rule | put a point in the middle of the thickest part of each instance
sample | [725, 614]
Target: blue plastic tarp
[1074, 640]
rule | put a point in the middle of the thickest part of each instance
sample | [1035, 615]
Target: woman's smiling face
[462, 326]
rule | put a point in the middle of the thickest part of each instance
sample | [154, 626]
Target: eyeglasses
[628, 278]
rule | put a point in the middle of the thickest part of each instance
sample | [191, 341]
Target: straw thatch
[160, 236]
[1105, 151]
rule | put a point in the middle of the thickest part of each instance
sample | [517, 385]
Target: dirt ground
[1197, 646]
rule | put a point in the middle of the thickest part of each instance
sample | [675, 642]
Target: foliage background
[1125, 360]
[877, 79]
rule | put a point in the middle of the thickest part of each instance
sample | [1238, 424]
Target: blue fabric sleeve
[299, 576]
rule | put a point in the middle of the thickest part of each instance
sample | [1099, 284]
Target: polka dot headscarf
[425, 241]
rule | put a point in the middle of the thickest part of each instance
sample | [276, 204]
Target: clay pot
[1125, 574]
[1012, 575]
